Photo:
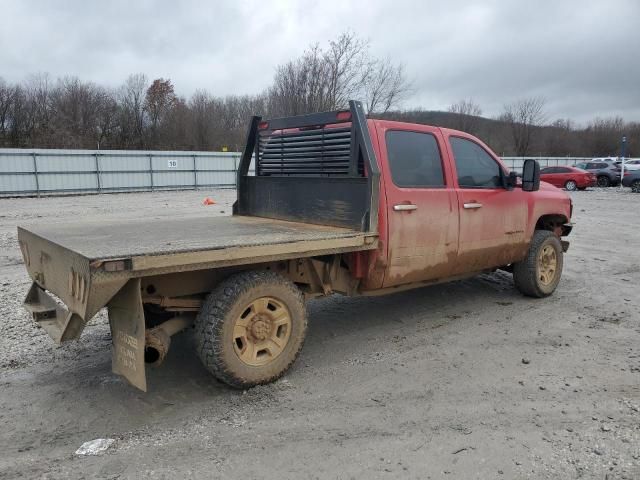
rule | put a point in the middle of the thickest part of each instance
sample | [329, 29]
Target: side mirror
[530, 176]
[511, 181]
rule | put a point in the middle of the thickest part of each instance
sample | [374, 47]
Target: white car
[632, 164]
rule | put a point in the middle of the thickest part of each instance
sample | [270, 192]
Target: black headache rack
[318, 168]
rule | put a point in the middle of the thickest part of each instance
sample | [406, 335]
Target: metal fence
[48, 172]
[54, 172]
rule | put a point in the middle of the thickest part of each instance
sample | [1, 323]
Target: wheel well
[554, 223]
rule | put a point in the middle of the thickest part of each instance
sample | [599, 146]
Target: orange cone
[208, 201]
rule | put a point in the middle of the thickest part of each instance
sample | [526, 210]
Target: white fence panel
[49, 172]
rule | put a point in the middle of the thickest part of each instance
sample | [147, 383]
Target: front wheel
[251, 328]
[604, 181]
[539, 273]
[571, 185]
[635, 186]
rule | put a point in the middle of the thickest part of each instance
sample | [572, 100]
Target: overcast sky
[582, 56]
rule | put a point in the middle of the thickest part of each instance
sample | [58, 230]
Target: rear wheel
[539, 273]
[571, 185]
[604, 181]
[251, 328]
[635, 186]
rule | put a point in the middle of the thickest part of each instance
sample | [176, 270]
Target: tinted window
[548, 170]
[475, 166]
[562, 170]
[414, 159]
[591, 166]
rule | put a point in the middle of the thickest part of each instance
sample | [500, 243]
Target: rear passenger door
[493, 219]
[421, 206]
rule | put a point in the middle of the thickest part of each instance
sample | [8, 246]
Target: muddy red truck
[338, 203]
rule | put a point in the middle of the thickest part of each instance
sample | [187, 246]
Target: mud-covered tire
[571, 185]
[226, 305]
[527, 273]
[603, 181]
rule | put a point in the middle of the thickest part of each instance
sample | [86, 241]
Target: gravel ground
[465, 380]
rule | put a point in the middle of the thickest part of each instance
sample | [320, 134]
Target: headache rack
[318, 168]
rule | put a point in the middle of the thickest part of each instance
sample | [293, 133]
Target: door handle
[472, 205]
[403, 207]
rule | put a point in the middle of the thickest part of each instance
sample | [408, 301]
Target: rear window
[414, 159]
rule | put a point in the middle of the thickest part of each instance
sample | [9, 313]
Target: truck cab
[450, 206]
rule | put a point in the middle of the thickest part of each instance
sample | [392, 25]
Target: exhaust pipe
[158, 339]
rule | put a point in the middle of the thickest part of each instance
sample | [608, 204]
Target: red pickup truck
[338, 203]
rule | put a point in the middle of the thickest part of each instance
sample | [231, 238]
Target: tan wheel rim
[547, 265]
[262, 331]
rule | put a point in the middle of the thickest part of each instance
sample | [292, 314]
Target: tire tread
[524, 272]
[214, 313]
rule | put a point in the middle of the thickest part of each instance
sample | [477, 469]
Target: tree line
[67, 112]
[522, 129]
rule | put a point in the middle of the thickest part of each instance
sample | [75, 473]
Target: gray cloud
[581, 56]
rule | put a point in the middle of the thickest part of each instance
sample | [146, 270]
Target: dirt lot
[466, 380]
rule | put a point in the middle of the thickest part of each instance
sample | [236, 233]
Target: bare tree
[7, 93]
[603, 135]
[467, 114]
[302, 85]
[523, 117]
[132, 113]
[385, 86]
[346, 61]
[107, 118]
[327, 79]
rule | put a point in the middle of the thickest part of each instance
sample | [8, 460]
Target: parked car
[607, 174]
[632, 179]
[606, 159]
[631, 165]
[570, 178]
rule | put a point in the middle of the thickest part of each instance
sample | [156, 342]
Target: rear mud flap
[126, 319]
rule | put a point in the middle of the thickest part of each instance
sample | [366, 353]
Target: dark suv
[607, 174]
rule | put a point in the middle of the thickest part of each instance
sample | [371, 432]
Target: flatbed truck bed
[183, 242]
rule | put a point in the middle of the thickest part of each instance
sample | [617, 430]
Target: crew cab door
[422, 209]
[493, 219]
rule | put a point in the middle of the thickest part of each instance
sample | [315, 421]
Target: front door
[422, 209]
[493, 219]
